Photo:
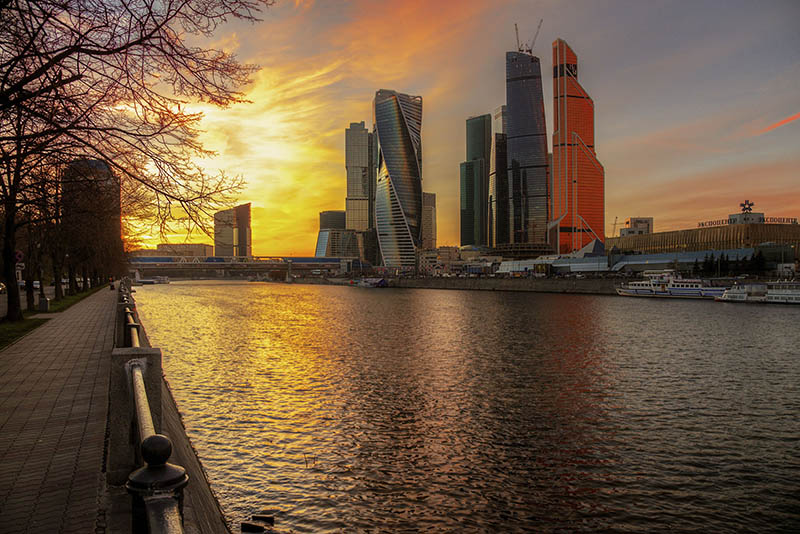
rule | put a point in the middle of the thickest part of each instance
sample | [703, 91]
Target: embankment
[592, 286]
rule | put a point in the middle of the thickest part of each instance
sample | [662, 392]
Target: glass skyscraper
[578, 198]
[428, 221]
[526, 140]
[475, 181]
[358, 161]
[232, 234]
[498, 181]
[398, 196]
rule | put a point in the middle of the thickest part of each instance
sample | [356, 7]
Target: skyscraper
[578, 197]
[332, 219]
[497, 232]
[526, 150]
[358, 160]
[232, 236]
[398, 196]
[475, 181]
[428, 221]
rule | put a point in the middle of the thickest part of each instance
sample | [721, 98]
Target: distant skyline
[697, 103]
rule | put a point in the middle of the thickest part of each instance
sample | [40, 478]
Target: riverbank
[590, 286]
[593, 286]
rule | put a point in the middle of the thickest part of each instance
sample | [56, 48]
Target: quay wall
[591, 286]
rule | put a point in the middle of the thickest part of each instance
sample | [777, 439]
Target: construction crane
[524, 47]
[530, 48]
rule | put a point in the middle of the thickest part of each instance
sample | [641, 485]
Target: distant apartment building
[90, 198]
[637, 226]
[428, 221]
[184, 249]
[232, 234]
[474, 173]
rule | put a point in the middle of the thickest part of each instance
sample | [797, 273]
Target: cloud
[780, 123]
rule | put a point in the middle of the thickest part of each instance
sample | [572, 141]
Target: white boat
[668, 284]
[779, 292]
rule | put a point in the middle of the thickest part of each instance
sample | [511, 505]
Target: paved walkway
[53, 405]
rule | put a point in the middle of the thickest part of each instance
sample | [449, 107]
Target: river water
[343, 409]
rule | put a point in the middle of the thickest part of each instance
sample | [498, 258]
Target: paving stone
[53, 401]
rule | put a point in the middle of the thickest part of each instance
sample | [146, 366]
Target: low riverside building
[774, 258]
[746, 229]
[715, 238]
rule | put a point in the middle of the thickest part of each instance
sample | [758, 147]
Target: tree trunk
[85, 276]
[41, 282]
[59, 293]
[31, 305]
[14, 311]
[73, 283]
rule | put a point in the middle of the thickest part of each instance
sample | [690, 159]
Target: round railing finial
[156, 449]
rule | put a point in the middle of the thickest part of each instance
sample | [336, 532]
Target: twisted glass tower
[398, 195]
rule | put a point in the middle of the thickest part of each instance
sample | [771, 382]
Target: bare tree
[111, 80]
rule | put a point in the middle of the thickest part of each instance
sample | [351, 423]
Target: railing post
[123, 438]
[157, 488]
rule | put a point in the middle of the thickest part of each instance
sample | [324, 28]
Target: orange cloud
[778, 124]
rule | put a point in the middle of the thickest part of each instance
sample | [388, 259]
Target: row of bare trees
[109, 81]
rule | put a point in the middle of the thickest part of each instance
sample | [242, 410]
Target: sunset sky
[697, 102]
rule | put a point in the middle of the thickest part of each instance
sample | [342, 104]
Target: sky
[697, 102]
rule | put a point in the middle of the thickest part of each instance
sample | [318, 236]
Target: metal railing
[157, 487]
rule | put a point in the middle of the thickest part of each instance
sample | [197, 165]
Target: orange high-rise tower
[577, 206]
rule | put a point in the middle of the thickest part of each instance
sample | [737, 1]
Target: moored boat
[669, 285]
[778, 292]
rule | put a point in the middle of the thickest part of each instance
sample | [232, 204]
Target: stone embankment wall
[591, 286]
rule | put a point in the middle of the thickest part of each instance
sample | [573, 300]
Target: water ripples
[355, 410]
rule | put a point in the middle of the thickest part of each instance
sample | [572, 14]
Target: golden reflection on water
[350, 409]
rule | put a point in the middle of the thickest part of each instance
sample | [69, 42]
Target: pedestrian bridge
[239, 266]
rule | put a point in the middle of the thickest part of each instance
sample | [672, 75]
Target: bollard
[157, 482]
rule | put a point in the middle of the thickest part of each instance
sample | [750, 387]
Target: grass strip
[12, 331]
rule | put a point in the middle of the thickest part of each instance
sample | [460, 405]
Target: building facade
[475, 181]
[577, 208]
[497, 216]
[398, 195]
[332, 219]
[91, 211]
[359, 163]
[637, 226]
[232, 234]
[428, 221]
[729, 236]
[526, 145]
[337, 243]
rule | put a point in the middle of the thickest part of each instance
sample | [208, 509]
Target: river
[343, 409]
